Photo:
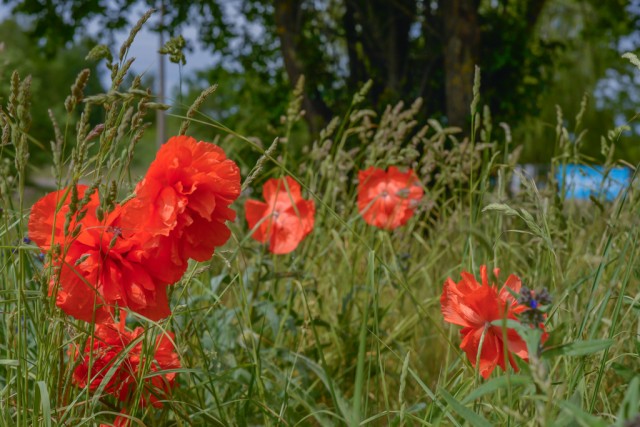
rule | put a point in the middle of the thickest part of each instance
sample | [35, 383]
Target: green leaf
[578, 348]
[362, 347]
[326, 380]
[471, 417]
[630, 406]
[43, 397]
[580, 416]
[496, 384]
[625, 372]
[433, 397]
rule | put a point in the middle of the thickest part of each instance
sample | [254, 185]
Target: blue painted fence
[583, 181]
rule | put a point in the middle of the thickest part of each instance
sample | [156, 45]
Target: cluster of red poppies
[96, 368]
[386, 199]
[107, 256]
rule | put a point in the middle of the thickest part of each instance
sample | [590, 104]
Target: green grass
[347, 330]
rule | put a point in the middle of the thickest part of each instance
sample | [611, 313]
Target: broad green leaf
[578, 348]
[44, 402]
[580, 416]
[496, 384]
[630, 406]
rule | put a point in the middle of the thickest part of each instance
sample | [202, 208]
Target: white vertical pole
[160, 117]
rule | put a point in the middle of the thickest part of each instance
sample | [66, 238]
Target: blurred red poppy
[120, 421]
[284, 218]
[98, 264]
[183, 201]
[115, 355]
[388, 199]
[475, 306]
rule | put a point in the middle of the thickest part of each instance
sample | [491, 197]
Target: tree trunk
[357, 71]
[378, 30]
[533, 10]
[461, 43]
[288, 25]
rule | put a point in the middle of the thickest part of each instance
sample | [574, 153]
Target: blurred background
[534, 55]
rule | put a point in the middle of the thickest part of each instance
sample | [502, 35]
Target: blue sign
[583, 181]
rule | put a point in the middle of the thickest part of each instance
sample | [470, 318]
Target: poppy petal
[287, 233]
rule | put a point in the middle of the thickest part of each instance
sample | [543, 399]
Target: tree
[409, 48]
[51, 80]
[388, 41]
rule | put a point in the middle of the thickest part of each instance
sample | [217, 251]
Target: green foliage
[584, 55]
[51, 80]
[251, 103]
[533, 54]
[58, 22]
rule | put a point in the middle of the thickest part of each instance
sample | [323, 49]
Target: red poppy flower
[183, 201]
[475, 306]
[99, 266]
[114, 355]
[284, 218]
[387, 199]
